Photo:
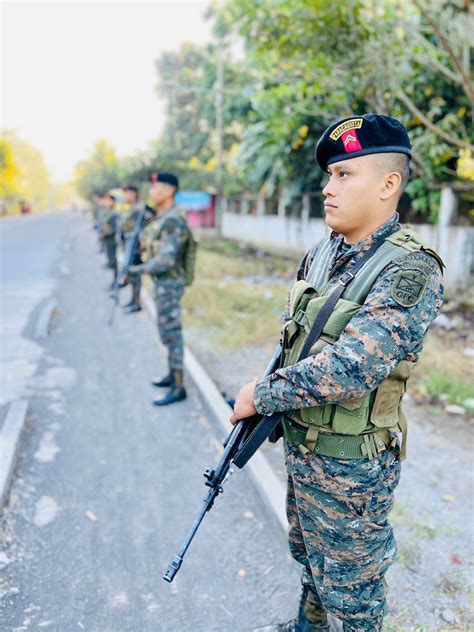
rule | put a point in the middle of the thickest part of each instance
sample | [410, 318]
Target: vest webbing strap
[328, 307]
[338, 446]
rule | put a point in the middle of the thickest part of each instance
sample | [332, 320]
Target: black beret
[166, 178]
[356, 136]
[129, 187]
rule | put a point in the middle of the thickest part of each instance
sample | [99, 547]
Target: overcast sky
[73, 72]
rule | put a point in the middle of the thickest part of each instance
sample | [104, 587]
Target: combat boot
[131, 309]
[176, 392]
[162, 382]
[311, 617]
[134, 305]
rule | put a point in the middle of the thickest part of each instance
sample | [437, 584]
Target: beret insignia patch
[351, 142]
[409, 286]
[355, 123]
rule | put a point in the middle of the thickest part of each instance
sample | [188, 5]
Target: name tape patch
[355, 123]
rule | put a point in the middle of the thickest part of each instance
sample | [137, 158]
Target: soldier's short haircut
[389, 162]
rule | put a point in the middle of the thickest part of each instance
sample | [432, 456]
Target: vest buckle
[299, 317]
[345, 278]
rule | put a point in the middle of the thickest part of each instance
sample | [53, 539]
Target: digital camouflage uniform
[128, 226]
[338, 508]
[165, 241]
[110, 227]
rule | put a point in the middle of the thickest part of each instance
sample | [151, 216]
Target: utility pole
[219, 104]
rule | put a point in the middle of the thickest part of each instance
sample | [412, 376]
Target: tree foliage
[187, 82]
[9, 172]
[305, 64]
[24, 174]
[99, 172]
[318, 61]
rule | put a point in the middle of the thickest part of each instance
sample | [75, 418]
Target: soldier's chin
[332, 222]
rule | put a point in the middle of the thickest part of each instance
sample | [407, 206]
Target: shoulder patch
[412, 279]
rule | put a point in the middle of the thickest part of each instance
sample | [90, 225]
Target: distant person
[109, 228]
[165, 242]
[136, 210]
[25, 207]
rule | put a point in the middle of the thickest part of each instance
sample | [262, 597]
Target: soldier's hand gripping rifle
[244, 440]
[132, 246]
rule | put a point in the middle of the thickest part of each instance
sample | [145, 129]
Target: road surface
[106, 484]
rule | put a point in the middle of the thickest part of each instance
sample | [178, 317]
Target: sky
[73, 72]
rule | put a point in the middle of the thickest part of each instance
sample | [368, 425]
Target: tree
[99, 172]
[188, 145]
[318, 61]
[8, 175]
[28, 175]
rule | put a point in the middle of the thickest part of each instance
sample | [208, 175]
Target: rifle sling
[328, 307]
[268, 424]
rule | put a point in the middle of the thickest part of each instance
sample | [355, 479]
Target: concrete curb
[272, 491]
[9, 444]
[44, 318]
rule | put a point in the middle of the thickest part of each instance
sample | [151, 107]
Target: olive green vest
[185, 266]
[379, 410]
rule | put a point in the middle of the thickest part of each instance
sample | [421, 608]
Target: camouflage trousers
[339, 531]
[111, 252]
[168, 306]
[135, 280]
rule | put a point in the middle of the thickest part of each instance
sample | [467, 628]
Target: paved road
[30, 246]
[107, 485]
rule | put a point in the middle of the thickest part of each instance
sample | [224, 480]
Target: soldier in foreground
[165, 241]
[342, 418]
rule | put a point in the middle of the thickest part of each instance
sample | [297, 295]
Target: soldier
[341, 400]
[131, 196]
[165, 241]
[109, 228]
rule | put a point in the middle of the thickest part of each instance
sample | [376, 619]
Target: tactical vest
[364, 426]
[187, 260]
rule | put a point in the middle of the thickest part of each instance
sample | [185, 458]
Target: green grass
[235, 311]
[456, 390]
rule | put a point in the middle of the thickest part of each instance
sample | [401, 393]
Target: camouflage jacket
[165, 242]
[110, 224]
[131, 216]
[373, 343]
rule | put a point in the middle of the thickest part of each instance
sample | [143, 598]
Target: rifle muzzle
[173, 568]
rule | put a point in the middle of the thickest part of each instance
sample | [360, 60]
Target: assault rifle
[244, 440]
[131, 248]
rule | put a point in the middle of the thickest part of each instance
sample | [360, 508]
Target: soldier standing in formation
[341, 403]
[109, 231]
[132, 214]
[165, 241]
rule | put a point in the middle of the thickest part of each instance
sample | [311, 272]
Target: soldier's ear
[391, 185]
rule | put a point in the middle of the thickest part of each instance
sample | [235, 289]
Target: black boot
[176, 392]
[311, 616]
[134, 305]
[168, 380]
[131, 309]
